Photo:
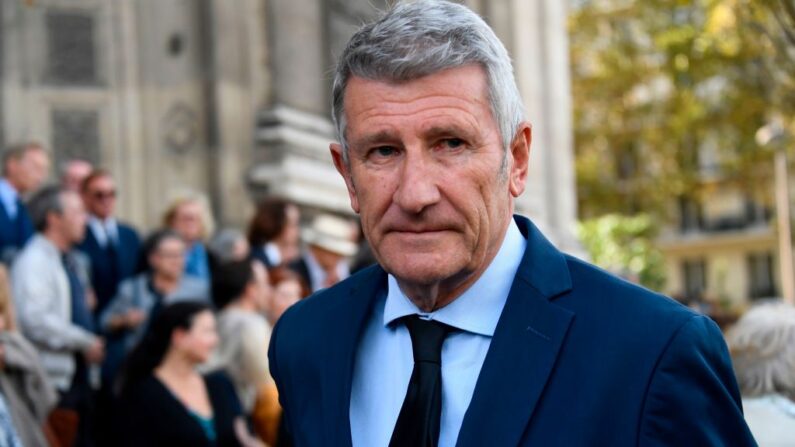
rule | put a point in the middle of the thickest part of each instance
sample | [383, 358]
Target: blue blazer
[107, 271]
[579, 358]
[14, 233]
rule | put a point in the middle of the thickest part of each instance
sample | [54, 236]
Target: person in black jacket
[165, 401]
[112, 247]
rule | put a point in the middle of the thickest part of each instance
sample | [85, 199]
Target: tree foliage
[668, 91]
[623, 245]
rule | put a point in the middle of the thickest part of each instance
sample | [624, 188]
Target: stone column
[541, 61]
[235, 67]
[294, 129]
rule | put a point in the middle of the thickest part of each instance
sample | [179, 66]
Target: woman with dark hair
[165, 401]
[163, 282]
[23, 383]
[274, 232]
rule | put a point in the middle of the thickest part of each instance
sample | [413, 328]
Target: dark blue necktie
[113, 260]
[81, 316]
[24, 224]
[419, 421]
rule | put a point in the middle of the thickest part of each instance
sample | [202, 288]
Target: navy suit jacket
[259, 254]
[579, 358]
[106, 272]
[14, 233]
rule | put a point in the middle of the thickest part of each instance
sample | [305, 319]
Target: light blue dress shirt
[104, 230]
[384, 359]
[8, 198]
[196, 262]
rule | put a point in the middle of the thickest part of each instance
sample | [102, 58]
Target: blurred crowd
[109, 336]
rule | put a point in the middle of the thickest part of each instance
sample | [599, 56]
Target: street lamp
[773, 135]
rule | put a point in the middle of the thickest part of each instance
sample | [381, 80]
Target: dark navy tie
[81, 316]
[24, 224]
[420, 416]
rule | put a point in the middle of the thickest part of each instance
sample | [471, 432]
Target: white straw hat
[331, 233]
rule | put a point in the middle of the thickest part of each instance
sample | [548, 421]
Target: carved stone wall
[233, 97]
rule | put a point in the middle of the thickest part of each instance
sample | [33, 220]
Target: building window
[627, 163]
[760, 274]
[71, 50]
[694, 272]
[75, 134]
[691, 215]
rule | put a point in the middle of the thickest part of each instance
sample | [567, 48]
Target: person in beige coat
[24, 385]
[241, 291]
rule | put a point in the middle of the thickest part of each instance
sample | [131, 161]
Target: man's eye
[453, 143]
[384, 151]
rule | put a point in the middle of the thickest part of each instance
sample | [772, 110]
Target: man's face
[187, 221]
[327, 259]
[260, 287]
[168, 259]
[73, 218]
[289, 239]
[426, 174]
[29, 172]
[100, 197]
[76, 171]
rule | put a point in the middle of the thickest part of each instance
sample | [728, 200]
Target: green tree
[624, 245]
[666, 91]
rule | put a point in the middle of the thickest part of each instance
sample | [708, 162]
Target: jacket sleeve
[285, 436]
[693, 397]
[254, 358]
[119, 305]
[34, 295]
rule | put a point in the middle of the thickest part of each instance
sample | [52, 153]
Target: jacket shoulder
[608, 286]
[128, 232]
[316, 320]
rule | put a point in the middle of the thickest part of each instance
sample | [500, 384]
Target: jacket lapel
[526, 343]
[349, 318]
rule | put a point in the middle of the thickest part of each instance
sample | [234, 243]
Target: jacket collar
[524, 349]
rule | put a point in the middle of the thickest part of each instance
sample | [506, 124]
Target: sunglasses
[102, 195]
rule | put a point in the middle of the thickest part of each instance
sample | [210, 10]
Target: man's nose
[418, 183]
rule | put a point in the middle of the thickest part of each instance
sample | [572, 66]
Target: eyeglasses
[170, 254]
[102, 195]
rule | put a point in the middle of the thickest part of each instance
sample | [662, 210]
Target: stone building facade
[232, 97]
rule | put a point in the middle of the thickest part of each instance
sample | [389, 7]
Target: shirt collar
[273, 253]
[8, 196]
[478, 309]
[103, 229]
[46, 246]
[316, 273]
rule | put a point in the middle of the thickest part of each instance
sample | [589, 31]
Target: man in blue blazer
[25, 167]
[112, 247]
[474, 330]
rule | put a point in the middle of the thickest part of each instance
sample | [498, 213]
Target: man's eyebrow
[446, 131]
[373, 138]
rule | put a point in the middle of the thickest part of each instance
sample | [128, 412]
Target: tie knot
[427, 337]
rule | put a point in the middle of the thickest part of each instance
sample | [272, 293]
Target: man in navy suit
[111, 246]
[25, 167]
[474, 330]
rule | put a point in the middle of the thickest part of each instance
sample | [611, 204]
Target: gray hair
[223, 245]
[18, 151]
[762, 346]
[421, 38]
[47, 200]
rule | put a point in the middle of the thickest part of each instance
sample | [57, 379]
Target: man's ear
[520, 153]
[345, 171]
